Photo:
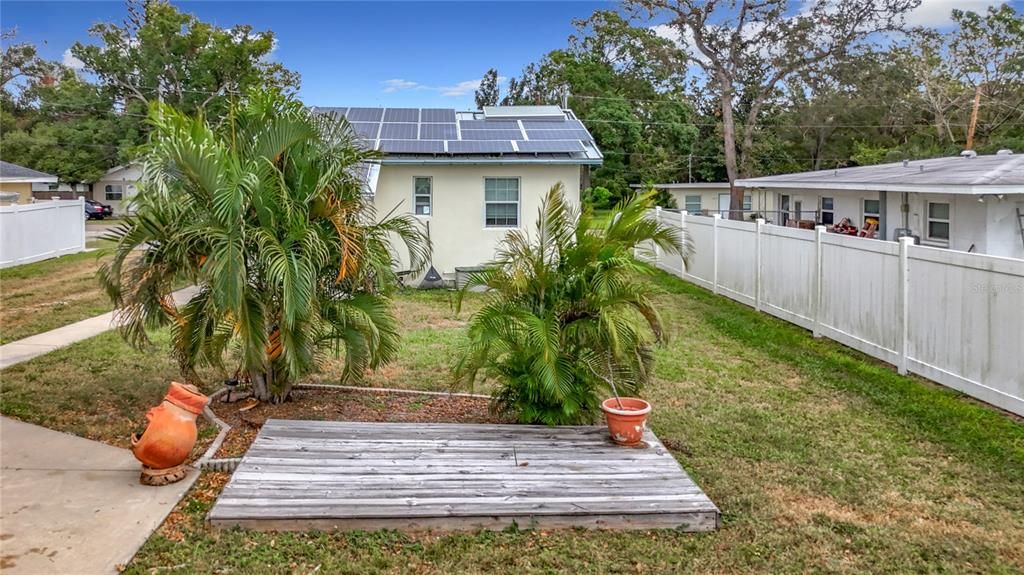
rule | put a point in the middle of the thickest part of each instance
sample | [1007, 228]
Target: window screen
[501, 202]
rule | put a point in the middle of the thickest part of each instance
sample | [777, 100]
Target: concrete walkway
[36, 345]
[70, 505]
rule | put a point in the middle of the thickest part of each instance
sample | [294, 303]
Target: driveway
[73, 506]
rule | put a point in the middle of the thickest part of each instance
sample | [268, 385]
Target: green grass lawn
[41, 296]
[821, 460]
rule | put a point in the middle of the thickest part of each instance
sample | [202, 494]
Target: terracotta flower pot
[171, 432]
[627, 423]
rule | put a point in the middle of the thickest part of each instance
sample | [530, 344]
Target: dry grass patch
[45, 295]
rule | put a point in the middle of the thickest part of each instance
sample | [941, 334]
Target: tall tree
[748, 48]
[487, 93]
[160, 52]
[266, 214]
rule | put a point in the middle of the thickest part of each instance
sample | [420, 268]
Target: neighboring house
[707, 198]
[969, 202]
[42, 191]
[470, 177]
[15, 179]
[117, 187]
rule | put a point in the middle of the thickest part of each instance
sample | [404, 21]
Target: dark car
[97, 211]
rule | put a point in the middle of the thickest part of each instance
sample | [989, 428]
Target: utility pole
[974, 118]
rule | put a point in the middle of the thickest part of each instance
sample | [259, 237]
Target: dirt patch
[342, 405]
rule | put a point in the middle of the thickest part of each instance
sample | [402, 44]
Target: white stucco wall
[456, 223]
[126, 178]
[990, 227]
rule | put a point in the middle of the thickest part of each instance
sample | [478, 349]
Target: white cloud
[460, 89]
[70, 61]
[455, 90]
[938, 13]
[398, 84]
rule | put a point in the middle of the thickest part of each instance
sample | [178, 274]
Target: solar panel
[412, 146]
[489, 124]
[553, 123]
[438, 115]
[437, 132]
[480, 147]
[491, 134]
[365, 114]
[550, 146]
[558, 135]
[398, 131]
[402, 115]
[365, 129]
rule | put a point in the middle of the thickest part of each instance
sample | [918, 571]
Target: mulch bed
[344, 405]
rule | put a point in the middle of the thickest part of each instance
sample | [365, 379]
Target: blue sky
[355, 53]
[417, 54]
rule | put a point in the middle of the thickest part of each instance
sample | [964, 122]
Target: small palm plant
[567, 311]
[266, 214]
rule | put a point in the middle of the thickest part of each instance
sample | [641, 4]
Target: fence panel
[788, 263]
[966, 327]
[34, 232]
[737, 260]
[859, 290]
[953, 317]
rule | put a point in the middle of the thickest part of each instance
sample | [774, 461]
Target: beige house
[15, 179]
[117, 187]
[969, 202]
[470, 177]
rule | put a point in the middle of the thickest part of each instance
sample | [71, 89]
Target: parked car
[97, 211]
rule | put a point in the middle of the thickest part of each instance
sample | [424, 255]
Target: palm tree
[266, 214]
[567, 311]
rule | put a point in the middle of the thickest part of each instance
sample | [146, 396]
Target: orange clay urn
[171, 432]
[627, 419]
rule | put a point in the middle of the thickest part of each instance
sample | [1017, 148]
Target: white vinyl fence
[953, 317]
[33, 232]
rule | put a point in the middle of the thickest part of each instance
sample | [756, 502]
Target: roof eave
[961, 189]
[40, 180]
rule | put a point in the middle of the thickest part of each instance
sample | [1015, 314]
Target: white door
[723, 205]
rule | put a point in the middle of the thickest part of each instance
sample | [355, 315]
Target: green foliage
[566, 313]
[78, 126]
[265, 214]
[487, 93]
[597, 198]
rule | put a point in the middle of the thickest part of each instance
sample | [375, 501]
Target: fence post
[714, 252]
[819, 268]
[902, 304]
[81, 209]
[657, 248]
[682, 238]
[757, 263]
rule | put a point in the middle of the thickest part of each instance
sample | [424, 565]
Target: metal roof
[1001, 173]
[14, 173]
[496, 135]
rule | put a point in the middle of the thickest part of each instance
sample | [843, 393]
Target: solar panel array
[440, 131]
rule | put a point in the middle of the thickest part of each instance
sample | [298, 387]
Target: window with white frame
[693, 204]
[423, 196]
[938, 221]
[501, 202]
[872, 212]
[828, 214]
[747, 203]
[113, 192]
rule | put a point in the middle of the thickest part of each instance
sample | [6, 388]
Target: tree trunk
[264, 388]
[729, 141]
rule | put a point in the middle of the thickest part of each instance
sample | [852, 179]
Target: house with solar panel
[470, 177]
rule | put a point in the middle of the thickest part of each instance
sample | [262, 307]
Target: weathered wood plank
[315, 474]
[689, 522]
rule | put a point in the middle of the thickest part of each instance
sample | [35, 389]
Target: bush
[566, 312]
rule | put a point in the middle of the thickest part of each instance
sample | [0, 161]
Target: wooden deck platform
[301, 475]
